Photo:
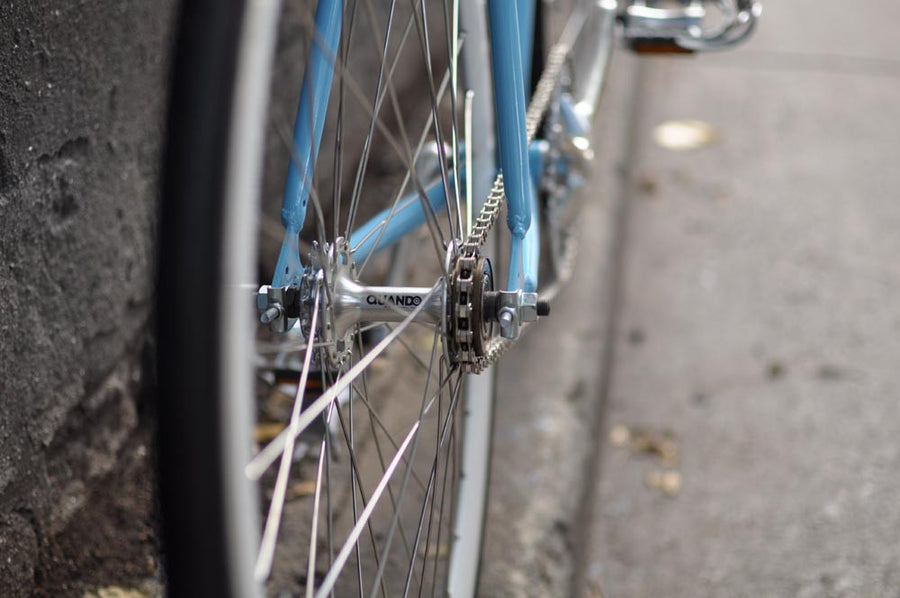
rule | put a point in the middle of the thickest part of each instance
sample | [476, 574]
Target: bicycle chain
[467, 262]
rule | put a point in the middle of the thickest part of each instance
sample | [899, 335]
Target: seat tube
[507, 49]
[308, 125]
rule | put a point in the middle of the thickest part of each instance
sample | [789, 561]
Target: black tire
[190, 229]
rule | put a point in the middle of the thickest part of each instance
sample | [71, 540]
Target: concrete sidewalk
[754, 398]
[548, 406]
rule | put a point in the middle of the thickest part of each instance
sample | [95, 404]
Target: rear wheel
[317, 461]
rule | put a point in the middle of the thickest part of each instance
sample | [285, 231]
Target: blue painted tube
[410, 214]
[526, 253]
[310, 117]
[308, 126]
[509, 98]
[515, 279]
[531, 250]
[537, 153]
[526, 39]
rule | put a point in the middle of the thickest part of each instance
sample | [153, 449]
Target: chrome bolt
[271, 314]
[508, 327]
[262, 298]
[528, 307]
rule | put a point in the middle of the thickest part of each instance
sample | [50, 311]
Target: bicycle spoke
[338, 144]
[382, 226]
[314, 534]
[398, 114]
[467, 123]
[379, 95]
[431, 476]
[270, 533]
[411, 570]
[395, 474]
[354, 479]
[419, 361]
[353, 537]
[269, 453]
[329, 512]
[372, 415]
[440, 526]
[406, 473]
[395, 504]
[451, 29]
[403, 152]
[428, 498]
[356, 484]
[422, 30]
[294, 347]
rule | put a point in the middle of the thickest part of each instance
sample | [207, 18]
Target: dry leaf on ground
[667, 481]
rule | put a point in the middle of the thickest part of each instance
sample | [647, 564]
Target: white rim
[245, 155]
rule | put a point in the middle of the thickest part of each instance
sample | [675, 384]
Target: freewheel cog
[471, 326]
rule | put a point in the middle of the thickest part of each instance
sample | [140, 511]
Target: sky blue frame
[511, 25]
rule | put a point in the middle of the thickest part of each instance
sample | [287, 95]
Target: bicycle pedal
[649, 45]
[655, 27]
[687, 26]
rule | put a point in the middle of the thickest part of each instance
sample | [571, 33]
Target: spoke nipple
[543, 308]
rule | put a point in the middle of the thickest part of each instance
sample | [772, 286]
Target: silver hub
[345, 303]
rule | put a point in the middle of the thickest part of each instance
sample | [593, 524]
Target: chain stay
[487, 219]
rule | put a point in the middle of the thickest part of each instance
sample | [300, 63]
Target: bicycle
[329, 346]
